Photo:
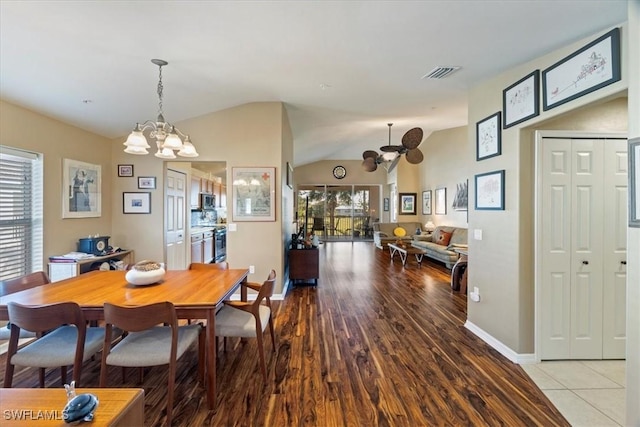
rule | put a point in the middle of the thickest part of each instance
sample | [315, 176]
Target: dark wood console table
[304, 265]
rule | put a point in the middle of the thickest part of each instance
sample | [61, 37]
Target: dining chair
[18, 284]
[63, 339]
[154, 338]
[249, 319]
[224, 265]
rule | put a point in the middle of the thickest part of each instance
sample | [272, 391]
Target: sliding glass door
[338, 212]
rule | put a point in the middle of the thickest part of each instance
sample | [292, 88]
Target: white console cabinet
[63, 270]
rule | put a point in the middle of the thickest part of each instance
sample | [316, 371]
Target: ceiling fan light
[389, 156]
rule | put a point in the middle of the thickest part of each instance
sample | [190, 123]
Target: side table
[459, 272]
[304, 264]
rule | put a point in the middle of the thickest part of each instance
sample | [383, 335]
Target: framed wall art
[590, 68]
[81, 189]
[386, 204]
[520, 101]
[254, 194]
[489, 137]
[461, 196]
[634, 182]
[407, 204]
[125, 170]
[441, 201]
[136, 203]
[490, 191]
[147, 182]
[426, 202]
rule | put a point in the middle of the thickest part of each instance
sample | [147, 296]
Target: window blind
[20, 212]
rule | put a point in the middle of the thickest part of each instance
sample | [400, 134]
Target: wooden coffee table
[403, 251]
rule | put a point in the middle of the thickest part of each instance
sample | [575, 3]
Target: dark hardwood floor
[373, 345]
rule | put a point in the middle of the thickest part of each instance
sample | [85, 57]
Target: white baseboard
[521, 359]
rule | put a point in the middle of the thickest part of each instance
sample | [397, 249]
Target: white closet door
[615, 249]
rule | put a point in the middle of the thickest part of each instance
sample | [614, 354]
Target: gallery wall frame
[385, 207]
[489, 137]
[407, 203]
[460, 199]
[441, 201]
[81, 189]
[490, 190]
[136, 202]
[521, 100]
[254, 195]
[147, 182]
[426, 202]
[125, 171]
[590, 68]
[634, 182]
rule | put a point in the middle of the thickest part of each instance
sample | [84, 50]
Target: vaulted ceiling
[344, 69]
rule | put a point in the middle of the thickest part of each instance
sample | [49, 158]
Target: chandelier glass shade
[168, 138]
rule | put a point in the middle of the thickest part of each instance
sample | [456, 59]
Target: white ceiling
[344, 69]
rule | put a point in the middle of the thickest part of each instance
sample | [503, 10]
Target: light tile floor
[588, 393]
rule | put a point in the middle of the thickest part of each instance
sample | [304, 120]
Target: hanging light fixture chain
[160, 87]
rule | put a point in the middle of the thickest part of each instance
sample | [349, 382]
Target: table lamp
[430, 226]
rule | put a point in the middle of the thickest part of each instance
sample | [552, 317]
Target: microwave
[207, 201]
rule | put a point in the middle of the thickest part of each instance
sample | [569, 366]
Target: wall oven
[220, 237]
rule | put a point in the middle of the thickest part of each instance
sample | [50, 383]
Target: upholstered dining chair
[249, 319]
[18, 284]
[64, 339]
[154, 338]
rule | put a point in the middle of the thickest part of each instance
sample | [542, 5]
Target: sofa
[383, 232]
[441, 244]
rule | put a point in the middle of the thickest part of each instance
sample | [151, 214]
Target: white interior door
[615, 249]
[175, 208]
[582, 293]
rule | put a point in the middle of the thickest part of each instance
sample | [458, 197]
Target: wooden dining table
[196, 294]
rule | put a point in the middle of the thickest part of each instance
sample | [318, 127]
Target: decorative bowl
[145, 273]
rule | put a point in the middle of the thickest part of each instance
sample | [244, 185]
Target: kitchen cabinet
[223, 196]
[195, 193]
[202, 246]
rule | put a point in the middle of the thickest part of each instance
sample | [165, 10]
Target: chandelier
[168, 137]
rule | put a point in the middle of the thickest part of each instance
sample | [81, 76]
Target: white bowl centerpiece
[145, 273]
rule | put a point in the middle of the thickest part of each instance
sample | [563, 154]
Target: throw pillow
[443, 238]
[399, 232]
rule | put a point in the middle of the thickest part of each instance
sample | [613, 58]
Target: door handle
[623, 262]
[585, 262]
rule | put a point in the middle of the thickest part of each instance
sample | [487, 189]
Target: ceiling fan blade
[412, 138]
[415, 156]
[369, 164]
[393, 164]
[369, 153]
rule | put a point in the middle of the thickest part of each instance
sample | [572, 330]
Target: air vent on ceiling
[440, 72]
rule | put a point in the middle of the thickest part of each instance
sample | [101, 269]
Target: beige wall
[506, 250]
[447, 163]
[30, 131]
[254, 134]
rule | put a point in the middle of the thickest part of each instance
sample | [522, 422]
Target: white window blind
[20, 212]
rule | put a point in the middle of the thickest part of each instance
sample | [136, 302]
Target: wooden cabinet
[304, 264]
[64, 270]
[223, 196]
[195, 193]
[202, 247]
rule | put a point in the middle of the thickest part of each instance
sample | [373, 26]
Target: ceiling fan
[391, 153]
